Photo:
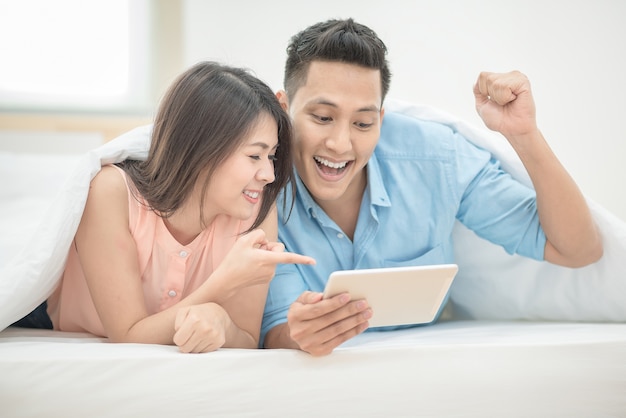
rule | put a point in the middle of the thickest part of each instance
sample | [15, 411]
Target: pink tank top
[169, 270]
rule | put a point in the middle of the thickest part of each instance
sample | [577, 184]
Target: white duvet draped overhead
[490, 285]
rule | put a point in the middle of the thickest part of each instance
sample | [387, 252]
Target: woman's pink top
[169, 271]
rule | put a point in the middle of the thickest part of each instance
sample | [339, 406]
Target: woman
[180, 248]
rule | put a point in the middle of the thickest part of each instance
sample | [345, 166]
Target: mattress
[451, 369]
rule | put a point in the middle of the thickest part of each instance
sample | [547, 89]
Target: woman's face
[236, 186]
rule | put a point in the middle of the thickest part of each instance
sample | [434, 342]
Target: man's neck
[345, 210]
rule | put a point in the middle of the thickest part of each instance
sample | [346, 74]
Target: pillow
[492, 284]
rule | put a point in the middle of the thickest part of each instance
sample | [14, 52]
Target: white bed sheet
[452, 369]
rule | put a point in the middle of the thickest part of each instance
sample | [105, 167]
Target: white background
[573, 51]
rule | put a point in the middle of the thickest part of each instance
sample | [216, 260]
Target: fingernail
[367, 314]
[344, 298]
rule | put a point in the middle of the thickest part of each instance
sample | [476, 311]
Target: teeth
[253, 195]
[330, 164]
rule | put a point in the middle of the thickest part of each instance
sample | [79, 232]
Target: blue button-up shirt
[422, 177]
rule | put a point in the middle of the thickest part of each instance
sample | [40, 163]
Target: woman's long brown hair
[204, 117]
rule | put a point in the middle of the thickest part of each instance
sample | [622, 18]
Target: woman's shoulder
[106, 208]
[109, 181]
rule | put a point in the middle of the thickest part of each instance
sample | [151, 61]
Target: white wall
[573, 51]
[48, 142]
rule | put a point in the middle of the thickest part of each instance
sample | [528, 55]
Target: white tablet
[397, 295]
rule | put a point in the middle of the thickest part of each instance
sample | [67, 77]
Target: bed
[452, 369]
[518, 338]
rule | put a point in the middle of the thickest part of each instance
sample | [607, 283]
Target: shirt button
[339, 235]
[183, 253]
[172, 293]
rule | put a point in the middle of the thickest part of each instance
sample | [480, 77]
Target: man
[383, 190]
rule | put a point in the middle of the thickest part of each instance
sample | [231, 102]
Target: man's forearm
[573, 238]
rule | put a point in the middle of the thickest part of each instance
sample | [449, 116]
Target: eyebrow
[326, 102]
[262, 145]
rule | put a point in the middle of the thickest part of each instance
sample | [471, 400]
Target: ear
[281, 95]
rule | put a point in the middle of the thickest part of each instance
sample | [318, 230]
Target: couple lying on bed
[182, 248]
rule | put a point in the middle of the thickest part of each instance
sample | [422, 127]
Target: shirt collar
[375, 185]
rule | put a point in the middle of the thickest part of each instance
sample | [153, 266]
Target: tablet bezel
[397, 295]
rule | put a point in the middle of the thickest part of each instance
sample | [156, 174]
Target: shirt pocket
[433, 256]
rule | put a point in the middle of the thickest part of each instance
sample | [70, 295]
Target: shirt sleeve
[286, 286]
[496, 206]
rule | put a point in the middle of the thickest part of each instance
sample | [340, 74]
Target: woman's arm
[242, 280]
[246, 306]
[108, 256]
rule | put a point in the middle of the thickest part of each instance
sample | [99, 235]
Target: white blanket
[490, 285]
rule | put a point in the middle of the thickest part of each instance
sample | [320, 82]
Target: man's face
[336, 116]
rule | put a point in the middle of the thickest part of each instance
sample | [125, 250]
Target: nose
[266, 173]
[339, 140]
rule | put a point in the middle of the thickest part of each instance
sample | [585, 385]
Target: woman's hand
[201, 328]
[252, 261]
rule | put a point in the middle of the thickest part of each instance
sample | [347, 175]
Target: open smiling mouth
[330, 168]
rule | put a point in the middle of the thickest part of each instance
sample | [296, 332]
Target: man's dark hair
[343, 41]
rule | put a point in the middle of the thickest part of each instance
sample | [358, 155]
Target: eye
[271, 157]
[322, 119]
[362, 125]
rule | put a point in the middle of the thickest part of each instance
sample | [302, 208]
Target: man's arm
[505, 103]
